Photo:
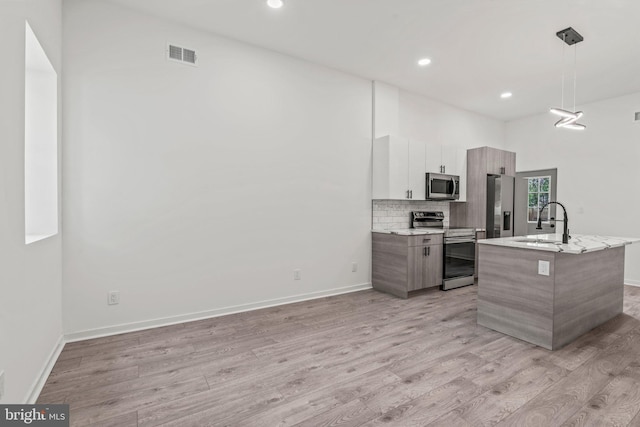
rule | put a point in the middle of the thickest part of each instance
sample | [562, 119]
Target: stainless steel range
[459, 248]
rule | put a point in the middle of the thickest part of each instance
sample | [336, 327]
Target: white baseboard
[172, 320]
[36, 387]
[632, 282]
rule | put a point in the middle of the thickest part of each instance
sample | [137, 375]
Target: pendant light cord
[563, 67]
[575, 74]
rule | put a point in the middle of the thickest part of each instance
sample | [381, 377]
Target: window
[40, 142]
[539, 195]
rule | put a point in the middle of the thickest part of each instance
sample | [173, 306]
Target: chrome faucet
[565, 233]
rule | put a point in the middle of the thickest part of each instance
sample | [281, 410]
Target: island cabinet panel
[588, 292]
[402, 264]
[581, 292]
[512, 297]
[479, 236]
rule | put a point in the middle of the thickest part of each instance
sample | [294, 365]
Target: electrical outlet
[113, 297]
[354, 267]
[1, 385]
[297, 274]
[543, 268]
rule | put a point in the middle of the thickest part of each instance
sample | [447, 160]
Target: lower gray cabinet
[402, 264]
[432, 265]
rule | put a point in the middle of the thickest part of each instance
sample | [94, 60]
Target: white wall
[198, 189]
[598, 169]
[41, 142]
[413, 116]
[30, 276]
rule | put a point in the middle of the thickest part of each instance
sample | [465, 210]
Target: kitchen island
[547, 293]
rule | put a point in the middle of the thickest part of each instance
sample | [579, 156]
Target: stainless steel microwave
[443, 187]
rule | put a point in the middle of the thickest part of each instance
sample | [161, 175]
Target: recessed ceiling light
[276, 4]
[506, 95]
[424, 62]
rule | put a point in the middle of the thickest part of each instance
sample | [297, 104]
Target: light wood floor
[358, 359]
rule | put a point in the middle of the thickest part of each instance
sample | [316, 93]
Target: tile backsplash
[393, 214]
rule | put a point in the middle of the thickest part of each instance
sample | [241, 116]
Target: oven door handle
[459, 240]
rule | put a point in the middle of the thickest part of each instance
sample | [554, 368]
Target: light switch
[543, 268]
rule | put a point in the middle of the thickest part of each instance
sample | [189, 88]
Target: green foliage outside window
[539, 194]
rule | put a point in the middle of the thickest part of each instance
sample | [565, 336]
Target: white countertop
[578, 243]
[410, 231]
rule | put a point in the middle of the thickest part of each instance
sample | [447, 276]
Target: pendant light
[569, 119]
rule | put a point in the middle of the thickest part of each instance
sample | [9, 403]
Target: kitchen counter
[410, 231]
[547, 293]
[578, 244]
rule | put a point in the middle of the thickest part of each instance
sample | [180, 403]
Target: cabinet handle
[502, 170]
[407, 194]
[411, 194]
[444, 169]
[428, 250]
[426, 240]
[424, 251]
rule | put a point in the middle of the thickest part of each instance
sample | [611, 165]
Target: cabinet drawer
[425, 239]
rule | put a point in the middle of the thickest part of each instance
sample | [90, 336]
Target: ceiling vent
[181, 54]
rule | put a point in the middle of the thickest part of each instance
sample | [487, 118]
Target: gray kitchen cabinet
[499, 162]
[509, 162]
[432, 264]
[481, 162]
[402, 264]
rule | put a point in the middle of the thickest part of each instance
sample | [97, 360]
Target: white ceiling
[479, 48]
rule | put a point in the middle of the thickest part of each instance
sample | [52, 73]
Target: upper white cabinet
[398, 169]
[459, 167]
[443, 159]
[400, 166]
[433, 162]
[417, 177]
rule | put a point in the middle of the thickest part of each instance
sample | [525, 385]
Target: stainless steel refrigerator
[500, 206]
